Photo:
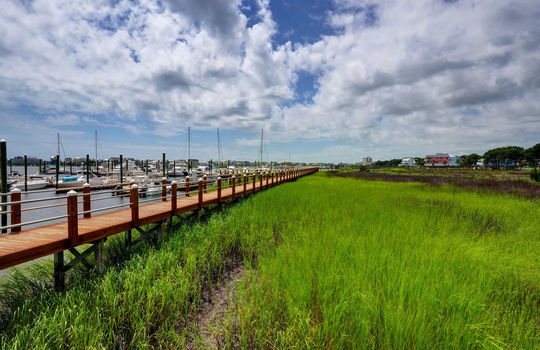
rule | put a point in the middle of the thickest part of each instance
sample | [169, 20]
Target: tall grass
[332, 263]
[147, 301]
[366, 264]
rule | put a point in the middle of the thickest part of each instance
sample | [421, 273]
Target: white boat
[180, 168]
[31, 185]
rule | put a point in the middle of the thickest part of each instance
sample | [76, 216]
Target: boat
[180, 168]
[30, 184]
[70, 181]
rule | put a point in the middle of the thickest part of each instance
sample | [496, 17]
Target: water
[105, 200]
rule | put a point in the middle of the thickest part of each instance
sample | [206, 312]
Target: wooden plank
[37, 242]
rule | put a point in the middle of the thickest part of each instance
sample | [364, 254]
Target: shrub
[535, 175]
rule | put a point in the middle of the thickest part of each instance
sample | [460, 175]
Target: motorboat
[71, 181]
[30, 184]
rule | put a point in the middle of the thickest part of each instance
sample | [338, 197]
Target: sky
[330, 81]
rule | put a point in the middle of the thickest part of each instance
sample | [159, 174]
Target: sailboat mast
[218, 147]
[58, 136]
[189, 142]
[261, 150]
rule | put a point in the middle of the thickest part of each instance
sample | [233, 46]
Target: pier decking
[30, 244]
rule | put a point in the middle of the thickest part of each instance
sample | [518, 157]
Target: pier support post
[174, 197]
[3, 180]
[200, 193]
[59, 273]
[25, 173]
[233, 184]
[99, 255]
[134, 200]
[15, 209]
[200, 199]
[87, 168]
[164, 166]
[219, 190]
[72, 212]
[86, 200]
[127, 241]
[121, 170]
[164, 189]
[205, 184]
[57, 169]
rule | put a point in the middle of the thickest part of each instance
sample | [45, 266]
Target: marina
[46, 234]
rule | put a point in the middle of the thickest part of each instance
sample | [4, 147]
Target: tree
[532, 155]
[504, 155]
[419, 161]
[469, 160]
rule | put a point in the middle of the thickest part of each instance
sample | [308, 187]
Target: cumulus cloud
[395, 77]
[69, 119]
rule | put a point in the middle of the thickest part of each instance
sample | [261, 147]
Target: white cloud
[417, 64]
[69, 119]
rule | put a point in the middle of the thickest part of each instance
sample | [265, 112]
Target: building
[407, 162]
[440, 160]
[19, 160]
[366, 161]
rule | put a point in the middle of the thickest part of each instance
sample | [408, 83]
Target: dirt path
[213, 316]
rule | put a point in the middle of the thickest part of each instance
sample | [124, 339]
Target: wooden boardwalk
[27, 245]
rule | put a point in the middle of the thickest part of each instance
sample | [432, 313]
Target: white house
[407, 162]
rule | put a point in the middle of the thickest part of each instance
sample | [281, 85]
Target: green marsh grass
[331, 263]
[370, 264]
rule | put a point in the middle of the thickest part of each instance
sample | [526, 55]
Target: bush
[363, 168]
[535, 175]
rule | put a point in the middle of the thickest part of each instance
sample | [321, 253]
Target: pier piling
[3, 178]
[25, 173]
[87, 168]
[121, 170]
[57, 169]
[15, 209]
[164, 166]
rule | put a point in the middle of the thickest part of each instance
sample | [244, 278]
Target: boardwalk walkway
[27, 245]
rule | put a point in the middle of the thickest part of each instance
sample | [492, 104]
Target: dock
[83, 227]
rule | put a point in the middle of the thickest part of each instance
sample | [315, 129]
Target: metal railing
[240, 184]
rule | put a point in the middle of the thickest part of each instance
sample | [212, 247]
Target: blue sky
[327, 80]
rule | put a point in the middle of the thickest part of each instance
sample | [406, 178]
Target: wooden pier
[82, 227]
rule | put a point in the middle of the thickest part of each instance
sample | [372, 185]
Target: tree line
[498, 157]
[505, 156]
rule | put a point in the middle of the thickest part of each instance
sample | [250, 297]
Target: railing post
[266, 175]
[219, 189]
[73, 217]
[254, 181]
[261, 176]
[233, 182]
[86, 200]
[134, 204]
[200, 193]
[174, 196]
[187, 180]
[245, 185]
[15, 209]
[164, 189]
[205, 184]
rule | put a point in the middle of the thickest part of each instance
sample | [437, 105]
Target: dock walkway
[30, 244]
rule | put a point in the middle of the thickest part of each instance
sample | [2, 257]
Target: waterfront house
[407, 162]
[440, 160]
